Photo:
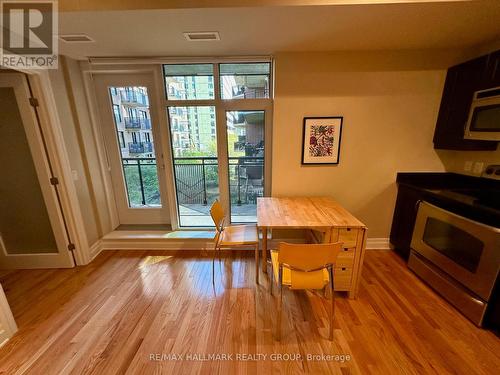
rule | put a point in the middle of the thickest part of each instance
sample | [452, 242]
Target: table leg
[257, 263]
[264, 249]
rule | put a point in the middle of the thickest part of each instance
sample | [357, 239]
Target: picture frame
[321, 138]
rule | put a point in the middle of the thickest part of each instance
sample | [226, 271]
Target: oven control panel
[492, 171]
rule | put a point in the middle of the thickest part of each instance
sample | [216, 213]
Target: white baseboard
[95, 250]
[130, 244]
[142, 243]
[378, 244]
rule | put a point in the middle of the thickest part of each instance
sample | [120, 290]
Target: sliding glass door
[246, 157]
[218, 115]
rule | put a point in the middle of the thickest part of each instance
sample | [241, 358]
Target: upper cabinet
[461, 82]
[491, 76]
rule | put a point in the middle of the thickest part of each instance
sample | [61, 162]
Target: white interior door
[132, 137]
[7, 324]
[32, 233]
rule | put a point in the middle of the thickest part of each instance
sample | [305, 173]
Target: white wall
[389, 102]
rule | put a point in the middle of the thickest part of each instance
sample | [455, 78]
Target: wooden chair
[232, 236]
[304, 266]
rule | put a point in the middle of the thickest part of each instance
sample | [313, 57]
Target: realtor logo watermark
[29, 34]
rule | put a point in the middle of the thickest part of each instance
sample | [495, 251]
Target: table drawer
[342, 278]
[348, 237]
[345, 257]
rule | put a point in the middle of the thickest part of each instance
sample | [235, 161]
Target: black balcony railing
[140, 147]
[251, 93]
[137, 123]
[246, 179]
[141, 179]
[132, 123]
[197, 179]
[134, 97]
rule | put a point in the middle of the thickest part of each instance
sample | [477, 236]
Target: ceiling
[272, 29]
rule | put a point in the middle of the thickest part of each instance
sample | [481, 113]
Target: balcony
[251, 93]
[197, 184]
[140, 147]
[134, 97]
[137, 123]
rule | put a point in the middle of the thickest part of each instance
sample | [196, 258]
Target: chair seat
[239, 235]
[301, 280]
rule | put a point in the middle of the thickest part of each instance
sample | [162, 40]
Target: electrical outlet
[468, 166]
[478, 167]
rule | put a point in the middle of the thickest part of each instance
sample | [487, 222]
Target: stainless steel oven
[457, 256]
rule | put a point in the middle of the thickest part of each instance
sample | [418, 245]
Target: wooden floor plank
[112, 316]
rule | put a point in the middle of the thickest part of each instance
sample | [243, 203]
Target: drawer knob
[343, 268]
[346, 249]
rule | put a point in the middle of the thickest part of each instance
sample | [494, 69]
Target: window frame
[221, 107]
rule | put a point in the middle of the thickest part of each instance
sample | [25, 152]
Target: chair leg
[257, 264]
[213, 264]
[332, 312]
[280, 302]
[271, 281]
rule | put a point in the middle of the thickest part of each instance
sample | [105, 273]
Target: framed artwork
[321, 140]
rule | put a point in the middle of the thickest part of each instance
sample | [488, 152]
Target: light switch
[478, 167]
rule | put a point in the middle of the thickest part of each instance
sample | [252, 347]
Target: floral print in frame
[321, 140]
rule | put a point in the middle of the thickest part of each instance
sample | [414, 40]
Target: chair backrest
[307, 257]
[218, 214]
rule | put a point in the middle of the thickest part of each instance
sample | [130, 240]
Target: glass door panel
[25, 226]
[194, 151]
[136, 144]
[245, 138]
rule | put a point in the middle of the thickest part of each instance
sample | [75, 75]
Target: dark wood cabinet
[491, 76]
[461, 82]
[405, 214]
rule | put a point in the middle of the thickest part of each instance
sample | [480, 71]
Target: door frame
[50, 160]
[94, 67]
[144, 78]
[8, 325]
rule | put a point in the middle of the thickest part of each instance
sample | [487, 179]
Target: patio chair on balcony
[232, 236]
[254, 184]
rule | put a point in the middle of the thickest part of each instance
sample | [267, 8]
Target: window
[188, 81]
[121, 139]
[193, 110]
[148, 137]
[136, 137]
[245, 80]
[117, 113]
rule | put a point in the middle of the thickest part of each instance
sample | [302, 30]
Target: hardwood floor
[126, 309]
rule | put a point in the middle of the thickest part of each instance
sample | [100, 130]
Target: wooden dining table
[326, 221]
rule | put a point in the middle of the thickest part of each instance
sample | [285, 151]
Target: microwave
[484, 116]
